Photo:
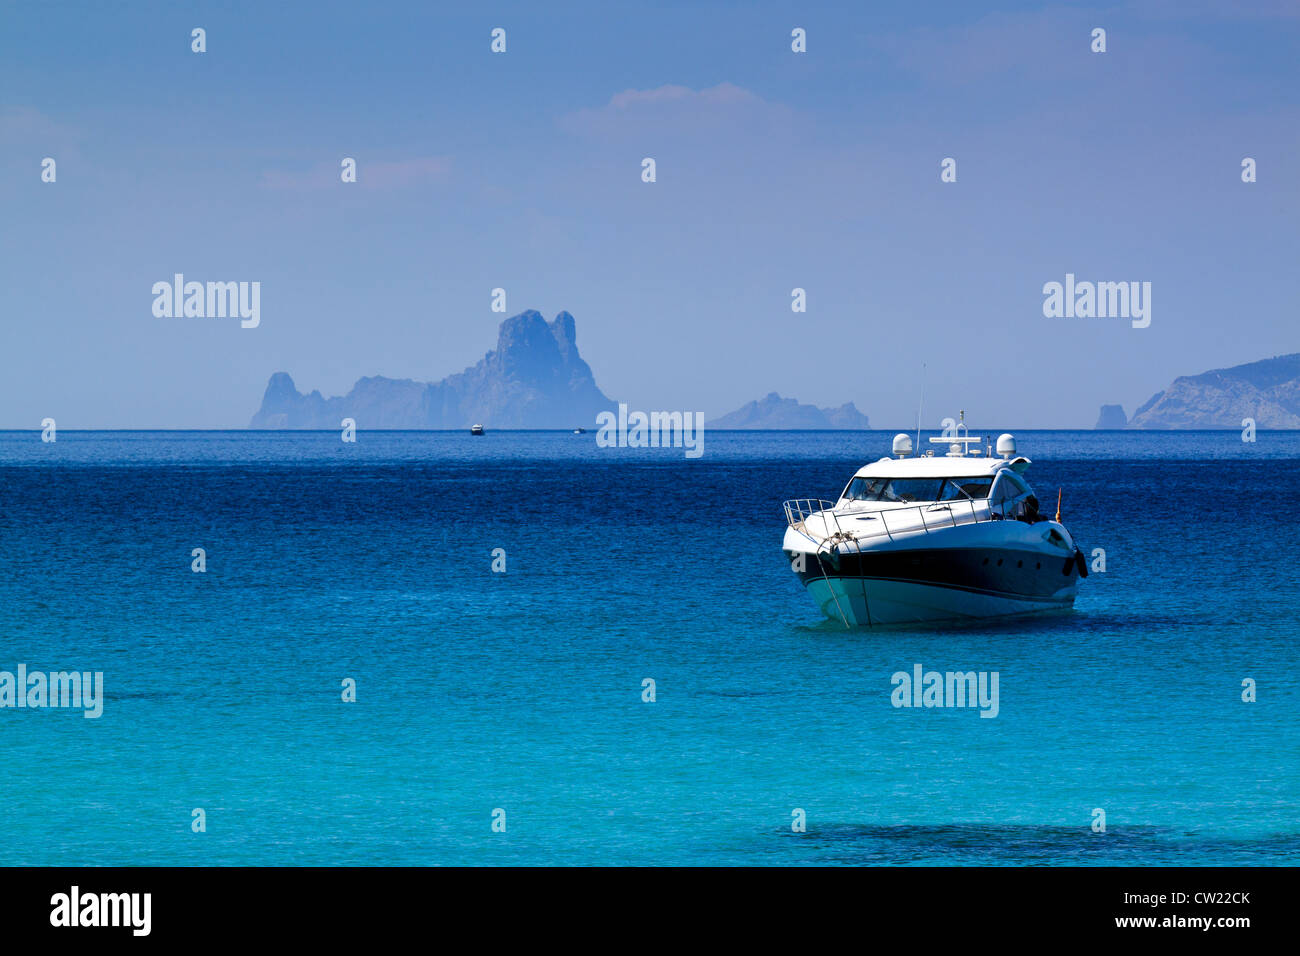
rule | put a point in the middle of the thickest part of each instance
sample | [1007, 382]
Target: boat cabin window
[959, 489]
[918, 489]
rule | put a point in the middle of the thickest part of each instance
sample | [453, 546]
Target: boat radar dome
[1006, 444]
[902, 444]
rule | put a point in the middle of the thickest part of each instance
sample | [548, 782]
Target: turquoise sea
[522, 690]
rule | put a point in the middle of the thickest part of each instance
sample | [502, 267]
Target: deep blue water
[522, 690]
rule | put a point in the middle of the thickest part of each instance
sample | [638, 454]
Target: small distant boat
[476, 430]
[580, 431]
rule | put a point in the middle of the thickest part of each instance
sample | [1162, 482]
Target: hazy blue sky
[523, 170]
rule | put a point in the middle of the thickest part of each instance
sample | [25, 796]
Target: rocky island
[1267, 391]
[534, 378]
[773, 411]
[1112, 416]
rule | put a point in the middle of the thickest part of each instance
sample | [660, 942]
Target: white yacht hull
[866, 602]
[963, 573]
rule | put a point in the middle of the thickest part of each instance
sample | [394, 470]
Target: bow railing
[820, 522]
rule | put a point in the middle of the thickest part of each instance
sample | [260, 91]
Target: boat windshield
[918, 489]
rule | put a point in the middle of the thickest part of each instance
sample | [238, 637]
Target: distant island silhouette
[1267, 391]
[773, 411]
[534, 378]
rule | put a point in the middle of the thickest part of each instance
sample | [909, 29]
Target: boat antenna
[918, 410]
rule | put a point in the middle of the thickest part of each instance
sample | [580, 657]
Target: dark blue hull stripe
[1015, 574]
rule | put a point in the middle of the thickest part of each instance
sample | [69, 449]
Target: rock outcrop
[534, 378]
[1112, 416]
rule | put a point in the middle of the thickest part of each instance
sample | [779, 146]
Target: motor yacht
[930, 538]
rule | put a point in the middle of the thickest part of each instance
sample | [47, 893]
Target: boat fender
[1081, 563]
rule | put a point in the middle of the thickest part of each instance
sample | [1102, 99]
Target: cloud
[29, 136]
[1227, 10]
[378, 174]
[1041, 63]
[724, 94]
[673, 109]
